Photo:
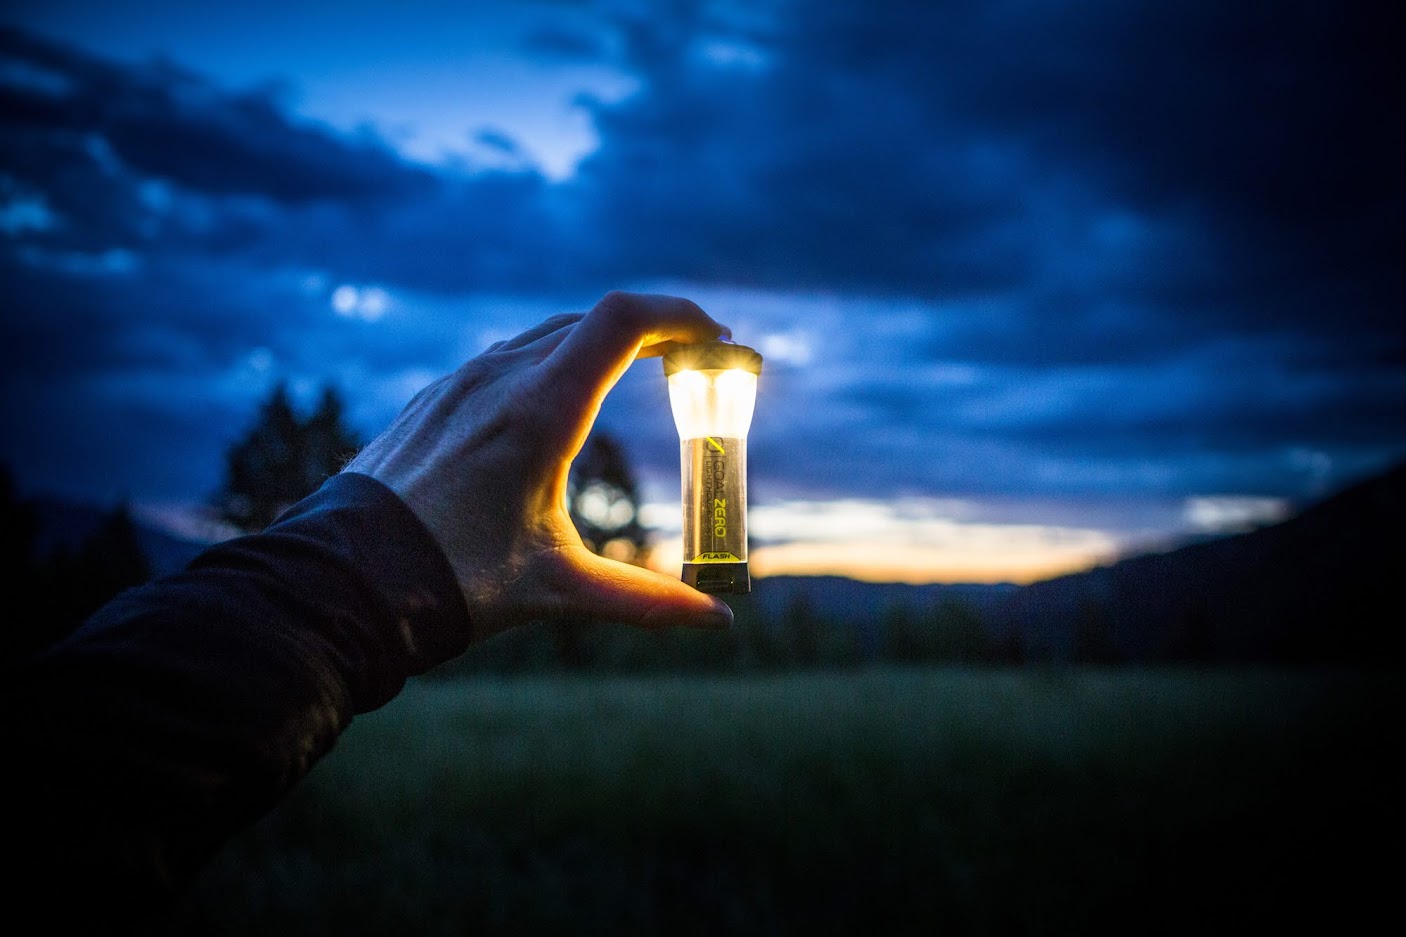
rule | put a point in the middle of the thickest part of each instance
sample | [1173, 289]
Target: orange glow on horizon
[919, 566]
[911, 564]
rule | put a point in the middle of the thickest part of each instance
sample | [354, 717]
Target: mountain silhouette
[1319, 588]
[1322, 587]
[65, 524]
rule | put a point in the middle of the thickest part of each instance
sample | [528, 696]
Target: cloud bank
[990, 248]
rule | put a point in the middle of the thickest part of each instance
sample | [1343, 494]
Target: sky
[1037, 284]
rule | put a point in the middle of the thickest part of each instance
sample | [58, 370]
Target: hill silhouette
[1321, 587]
[1318, 588]
[65, 524]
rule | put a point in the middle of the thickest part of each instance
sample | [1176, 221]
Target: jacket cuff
[368, 579]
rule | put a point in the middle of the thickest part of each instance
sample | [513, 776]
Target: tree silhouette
[1094, 638]
[957, 634]
[801, 631]
[283, 459]
[107, 562]
[328, 444]
[60, 587]
[603, 501]
[19, 534]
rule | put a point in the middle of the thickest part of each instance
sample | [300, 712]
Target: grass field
[869, 802]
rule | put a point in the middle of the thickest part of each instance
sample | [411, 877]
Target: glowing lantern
[713, 390]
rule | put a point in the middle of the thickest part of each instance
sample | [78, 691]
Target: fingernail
[717, 621]
[674, 617]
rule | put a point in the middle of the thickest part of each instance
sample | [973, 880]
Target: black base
[718, 578]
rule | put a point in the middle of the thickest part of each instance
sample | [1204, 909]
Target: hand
[482, 456]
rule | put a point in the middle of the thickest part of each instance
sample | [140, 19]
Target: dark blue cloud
[1133, 247]
[959, 149]
[164, 122]
[159, 161]
[1122, 188]
[560, 42]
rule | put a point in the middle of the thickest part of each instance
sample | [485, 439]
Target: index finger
[663, 348]
[624, 326]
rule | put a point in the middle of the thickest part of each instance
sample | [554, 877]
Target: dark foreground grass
[869, 802]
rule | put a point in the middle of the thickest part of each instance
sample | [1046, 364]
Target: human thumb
[618, 592]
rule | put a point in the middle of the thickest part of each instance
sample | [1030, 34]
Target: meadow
[882, 800]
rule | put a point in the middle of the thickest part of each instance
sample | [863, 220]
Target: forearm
[186, 708]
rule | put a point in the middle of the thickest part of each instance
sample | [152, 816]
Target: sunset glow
[882, 542]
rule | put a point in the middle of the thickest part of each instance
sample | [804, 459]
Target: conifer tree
[283, 459]
[603, 500]
[19, 533]
[108, 561]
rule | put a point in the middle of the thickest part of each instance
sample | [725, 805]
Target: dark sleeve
[186, 708]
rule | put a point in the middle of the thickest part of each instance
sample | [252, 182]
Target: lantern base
[718, 578]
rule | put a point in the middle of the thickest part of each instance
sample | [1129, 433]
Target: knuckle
[620, 307]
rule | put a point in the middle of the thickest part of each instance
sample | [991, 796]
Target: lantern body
[713, 391]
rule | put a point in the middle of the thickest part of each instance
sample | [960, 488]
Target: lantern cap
[710, 356]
